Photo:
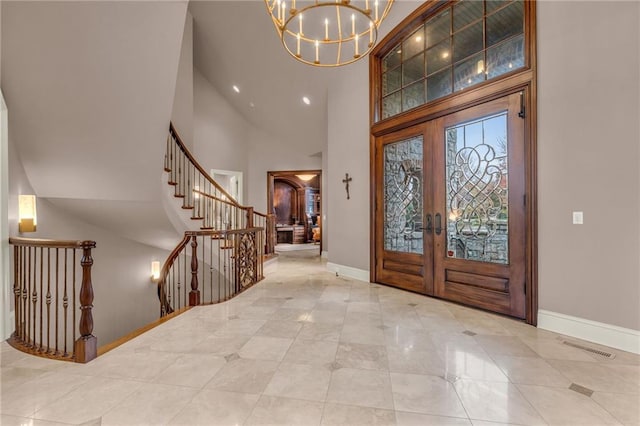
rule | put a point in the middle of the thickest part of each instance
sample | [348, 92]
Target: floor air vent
[588, 349]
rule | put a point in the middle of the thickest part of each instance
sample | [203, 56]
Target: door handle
[429, 224]
[438, 224]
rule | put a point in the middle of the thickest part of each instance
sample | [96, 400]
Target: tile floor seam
[609, 411]
[331, 295]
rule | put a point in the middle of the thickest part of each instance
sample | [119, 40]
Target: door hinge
[522, 113]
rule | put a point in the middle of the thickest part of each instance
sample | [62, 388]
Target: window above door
[447, 48]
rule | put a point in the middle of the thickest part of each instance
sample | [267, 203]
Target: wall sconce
[27, 217]
[155, 271]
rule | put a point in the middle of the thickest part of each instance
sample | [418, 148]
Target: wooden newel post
[194, 294]
[86, 347]
[270, 233]
[249, 217]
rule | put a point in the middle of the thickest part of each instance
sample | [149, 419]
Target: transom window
[462, 46]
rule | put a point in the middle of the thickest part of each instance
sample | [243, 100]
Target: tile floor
[305, 347]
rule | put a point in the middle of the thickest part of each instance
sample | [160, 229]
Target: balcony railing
[53, 299]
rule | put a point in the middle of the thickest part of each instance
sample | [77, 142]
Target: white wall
[220, 133]
[182, 113]
[125, 298]
[5, 281]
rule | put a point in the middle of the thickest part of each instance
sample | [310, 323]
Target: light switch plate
[578, 218]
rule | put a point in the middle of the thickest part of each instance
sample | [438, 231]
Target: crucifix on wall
[346, 181]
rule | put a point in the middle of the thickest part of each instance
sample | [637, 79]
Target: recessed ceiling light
[418, 39]
[306, 100]
[236, 89]
[251, 104]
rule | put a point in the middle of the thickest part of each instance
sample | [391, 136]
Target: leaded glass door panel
[403, 194]
[450, 211]
[479, 229]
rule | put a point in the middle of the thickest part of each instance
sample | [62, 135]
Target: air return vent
[588, 349]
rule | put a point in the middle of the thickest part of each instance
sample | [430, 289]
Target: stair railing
[207, 200]
[211, 266]
[53, 299]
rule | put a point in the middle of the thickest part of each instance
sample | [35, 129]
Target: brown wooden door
[472, 212]
[404, 256]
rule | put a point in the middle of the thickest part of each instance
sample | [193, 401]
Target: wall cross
[346, 181]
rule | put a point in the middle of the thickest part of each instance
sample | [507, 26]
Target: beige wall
[267, 153]
[348, 152]
[588, 140]
[348, 142]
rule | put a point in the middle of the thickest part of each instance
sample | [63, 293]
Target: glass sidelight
[477, 190]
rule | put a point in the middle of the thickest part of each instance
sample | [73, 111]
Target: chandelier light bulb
[310, 40]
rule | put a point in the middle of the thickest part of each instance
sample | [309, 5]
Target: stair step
[206, 228]
[167, 170]
[172, 183]
[179, 195]
[197, 218]
[187, 207]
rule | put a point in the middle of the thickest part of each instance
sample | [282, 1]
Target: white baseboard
[348, 271]
[324, 254]
[10, 325]
[622, 338]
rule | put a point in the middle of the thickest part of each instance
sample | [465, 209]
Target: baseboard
[324, 254]
[622, 338]
[10, 325]
[348, 271]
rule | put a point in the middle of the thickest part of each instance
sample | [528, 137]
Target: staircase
[225, 255]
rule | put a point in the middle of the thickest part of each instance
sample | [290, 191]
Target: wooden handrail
[235, 259]
[222, 200]
[45, 298]
[207, 200]
[39, 242]
[197, 165]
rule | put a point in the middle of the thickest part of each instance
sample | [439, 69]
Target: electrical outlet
[578, 218]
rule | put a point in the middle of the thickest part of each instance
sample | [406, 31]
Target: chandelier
[328, 33]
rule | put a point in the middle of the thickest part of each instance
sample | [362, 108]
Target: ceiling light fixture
[306, 100]
[328, 33]
[236, 89]
[305, 178]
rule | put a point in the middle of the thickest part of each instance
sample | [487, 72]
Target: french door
[450, 207]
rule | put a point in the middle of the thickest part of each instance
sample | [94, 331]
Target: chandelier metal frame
[283, 20]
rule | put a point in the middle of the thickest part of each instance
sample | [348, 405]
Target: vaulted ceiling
[235, 43]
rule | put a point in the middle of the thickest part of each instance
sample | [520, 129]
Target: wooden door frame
[522, 80]
[289, 176]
